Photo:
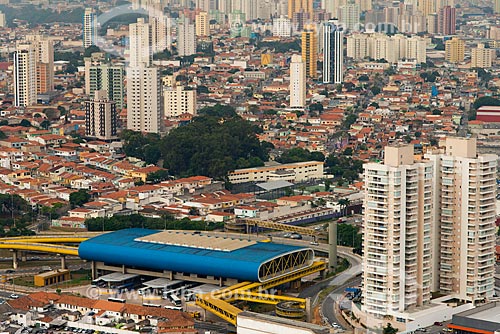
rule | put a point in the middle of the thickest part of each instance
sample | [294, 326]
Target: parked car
[437, 323]
[14, 296]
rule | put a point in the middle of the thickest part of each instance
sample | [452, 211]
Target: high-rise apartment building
[496, 5]
[397, 233]
[297, 82]
[349, 16]
[89, 28]
[160, 32]
[101, 117]
[140, 50]
[427, 7]
[110, 78]
[447, 21]
[44, 51]
[297, 6]
[333, 52]
[481, 57]
[186, 40]
[310, 51]
[282, 27]
[429, 226]
[25, 91]
[465, 211]
[202, 24]
[455, 50]
[178, 101]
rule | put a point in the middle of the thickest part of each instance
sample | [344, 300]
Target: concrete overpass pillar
[93, 269]
[15, 261]
[332, 243]
[63, 261]
[308, 310]
[23, 257]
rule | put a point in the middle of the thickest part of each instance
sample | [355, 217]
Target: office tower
[186, 42]
[89, 28]
[282, 27]
[178, 101]
[447, 21]
[297, 82]
[202, 24]
[160, 32]
[25, 76]
[44, 54]
[465, 184]
[397, 234]
[454, 50]
[297, 6]
[110, 78]
[140, 43]
[481, 57]
[3, 22]
[310, 51]
[349, 16]
[333, 52]
[101, 117]
[496, 6]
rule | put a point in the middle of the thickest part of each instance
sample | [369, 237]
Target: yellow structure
[52, 277]
[266, 59]
[297, 6]
[310, 51]
[455, 50]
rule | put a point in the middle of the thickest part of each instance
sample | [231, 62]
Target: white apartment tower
[349, 16]
[333, 52]
[481, 57]
[140, 38]
[89, 28]
[159, 32]
[101, 117]
[297, 82]
[429, 226]
[186, 41]
[397, 233]
[25, 91]
[282, 27]
[178, 101]
[465, 211]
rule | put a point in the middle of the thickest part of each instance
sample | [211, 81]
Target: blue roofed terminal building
[192, 256]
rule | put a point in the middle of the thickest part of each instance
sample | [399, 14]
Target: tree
[375, 90]
[344, 203]
[316, 107]
[389, 329]
[157, 177]
[299, 155]
[45, 124]
[2, 135]
[25, 123]
[79, 198]
[486, 101]
[364, 78]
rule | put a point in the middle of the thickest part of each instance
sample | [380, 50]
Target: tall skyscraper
[455, 50]
[333, 52]
[447, 21]
[44, 51]
[89, 28]
[429, 226]
[465, 192]
[310, 51]
[297, 82]
[297, 6]
[186, 40]
[144, 103]
[202, 24]
[101, 117]
[25, 90]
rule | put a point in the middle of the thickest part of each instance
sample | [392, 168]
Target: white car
[14, 296]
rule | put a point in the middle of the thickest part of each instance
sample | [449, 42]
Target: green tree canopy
[486, 101]
[79, 198]
[300, 155]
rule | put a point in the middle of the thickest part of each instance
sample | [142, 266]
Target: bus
[117, 300]
[151, 305]
[177, 308]
[175, 300]
[144, 291]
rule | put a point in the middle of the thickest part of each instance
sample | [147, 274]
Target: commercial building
[484, 319]
[297, 82]
[429, 227]
[481, 57]
[490, 114]
[256, 323]
[294, 172]
[186, 40]
[89, 28]
[455, 50]
[178, 101]
[310, 51]
[333, 53]
[202, 24]
[101, 117]
[25, 91]
[52, 277]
